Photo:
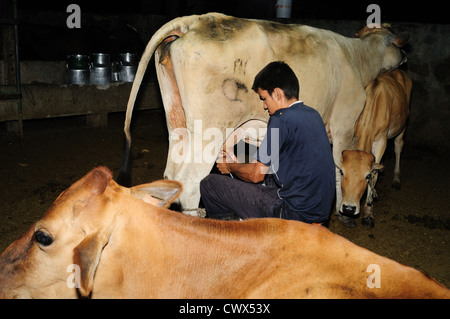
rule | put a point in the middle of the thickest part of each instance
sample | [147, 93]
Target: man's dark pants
[222, 195]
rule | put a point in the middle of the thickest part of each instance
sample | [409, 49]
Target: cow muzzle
[349, 210]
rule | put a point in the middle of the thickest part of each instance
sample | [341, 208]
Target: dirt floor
[412, 224]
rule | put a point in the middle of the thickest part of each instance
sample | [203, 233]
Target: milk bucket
[115, 72]
[127, 73]
[77, 69]
[128, 67]
[77, 76]
[101, 59]
[100, 75]
[128, 58]
[77, 62]
[284, 8]
[100, 69]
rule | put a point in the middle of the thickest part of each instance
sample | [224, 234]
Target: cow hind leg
[398, 150]
[368, 219]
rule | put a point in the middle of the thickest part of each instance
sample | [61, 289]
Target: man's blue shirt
[298, 152]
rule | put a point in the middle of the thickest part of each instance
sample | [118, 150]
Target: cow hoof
[396, 185]
[368, 221]
[347, 221]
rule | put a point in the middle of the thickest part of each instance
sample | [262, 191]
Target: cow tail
[176, 27]
[124, 176]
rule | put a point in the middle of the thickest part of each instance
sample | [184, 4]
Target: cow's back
[222, 48]
[258, 258]
[321, 264]
[386, 108]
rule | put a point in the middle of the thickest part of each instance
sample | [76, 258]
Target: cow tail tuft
[124, 176]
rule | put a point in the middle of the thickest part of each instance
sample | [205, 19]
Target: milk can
[100, 68]
[77, 69]
[128, 67]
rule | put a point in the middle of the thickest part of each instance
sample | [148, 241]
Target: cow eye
[43, 238]
[369, 176]
[341, 172]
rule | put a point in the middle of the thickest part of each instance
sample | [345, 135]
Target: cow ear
[87, 257]
[160, 193]
[97, 180]
[377, 167]
[401, 39]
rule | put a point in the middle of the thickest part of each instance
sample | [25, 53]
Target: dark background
[403, 11]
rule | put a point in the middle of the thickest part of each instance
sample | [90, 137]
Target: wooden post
[9, 37]
[7, 44]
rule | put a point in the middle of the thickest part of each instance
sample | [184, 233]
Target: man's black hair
[277, 75]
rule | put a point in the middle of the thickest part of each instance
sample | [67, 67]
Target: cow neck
[367, 59]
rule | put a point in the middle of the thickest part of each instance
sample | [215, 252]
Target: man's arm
[250, 172]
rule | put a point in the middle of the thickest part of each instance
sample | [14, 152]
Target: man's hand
[223, 168]
[225, 158]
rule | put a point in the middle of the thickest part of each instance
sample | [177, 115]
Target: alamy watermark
[374, 19]
[374, 279]
[74, 19]
[74, 279]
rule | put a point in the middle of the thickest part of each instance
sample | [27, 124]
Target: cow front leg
[367, 218]
[367, 214]
[344, 220]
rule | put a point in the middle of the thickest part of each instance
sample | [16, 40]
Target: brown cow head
[63, 249]
[382, 38]
[358, 168]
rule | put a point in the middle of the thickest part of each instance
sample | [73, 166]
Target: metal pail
[75, 76]
[100, 75]
[77, 62]
[101, 59]
[128, 58]
[77, 69]
[127, 73]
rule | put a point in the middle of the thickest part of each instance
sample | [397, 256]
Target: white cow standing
[206, 66]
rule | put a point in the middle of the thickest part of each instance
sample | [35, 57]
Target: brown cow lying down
[113, 242]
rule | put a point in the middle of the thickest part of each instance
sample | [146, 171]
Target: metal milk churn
[128, 67]
[77, 69]
[100, 68]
